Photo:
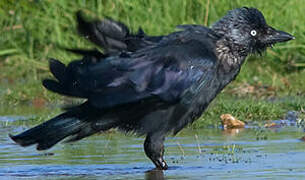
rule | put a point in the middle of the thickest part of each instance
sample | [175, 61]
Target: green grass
[249, 109]
[32, 31]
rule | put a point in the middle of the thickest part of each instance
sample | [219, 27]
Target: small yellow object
[230, 122]
[271, 125]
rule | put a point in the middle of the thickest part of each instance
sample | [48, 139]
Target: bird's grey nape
[237, 18]
[236, 26]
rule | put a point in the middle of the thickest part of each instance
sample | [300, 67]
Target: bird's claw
[161, 164]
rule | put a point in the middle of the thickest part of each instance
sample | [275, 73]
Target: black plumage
[152, 86]
[114, 36]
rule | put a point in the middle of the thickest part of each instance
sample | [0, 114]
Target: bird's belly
[193, 105]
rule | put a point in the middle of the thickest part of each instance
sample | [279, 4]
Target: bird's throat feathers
[227, 57]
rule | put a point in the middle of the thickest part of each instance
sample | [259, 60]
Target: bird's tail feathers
[73, 124]
[51, 132]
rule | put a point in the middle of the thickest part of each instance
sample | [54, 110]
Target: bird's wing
[165, 72]
[113, 36]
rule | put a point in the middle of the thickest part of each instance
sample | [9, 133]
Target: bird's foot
[160, 164]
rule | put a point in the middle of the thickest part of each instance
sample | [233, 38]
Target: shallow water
[193, 154]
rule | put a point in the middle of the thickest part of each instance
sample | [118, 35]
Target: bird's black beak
[275, 36]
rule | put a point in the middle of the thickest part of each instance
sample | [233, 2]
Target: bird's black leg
[154, 149]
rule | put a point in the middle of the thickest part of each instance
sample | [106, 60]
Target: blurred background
[32, 31]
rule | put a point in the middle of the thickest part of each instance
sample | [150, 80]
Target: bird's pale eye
[253, 33]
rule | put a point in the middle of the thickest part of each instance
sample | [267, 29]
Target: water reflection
[154, 175]
[192, 154]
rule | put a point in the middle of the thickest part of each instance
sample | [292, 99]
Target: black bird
[152, 86]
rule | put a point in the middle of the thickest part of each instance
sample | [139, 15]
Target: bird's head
[248, 32]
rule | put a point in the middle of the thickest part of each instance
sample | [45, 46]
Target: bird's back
[160, 79]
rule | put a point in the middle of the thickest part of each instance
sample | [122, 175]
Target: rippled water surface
[193, 154]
